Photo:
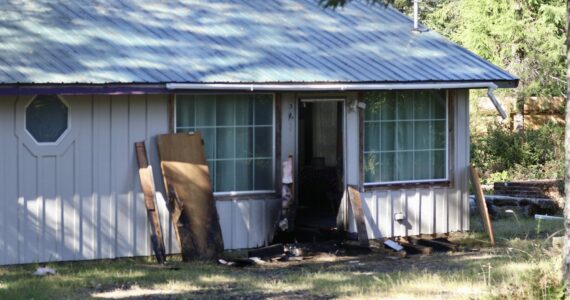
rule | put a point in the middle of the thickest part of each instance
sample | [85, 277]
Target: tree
[566, 260]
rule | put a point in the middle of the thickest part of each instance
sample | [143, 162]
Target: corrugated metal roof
[129, 41]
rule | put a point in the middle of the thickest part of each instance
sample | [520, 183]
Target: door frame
[299, 102]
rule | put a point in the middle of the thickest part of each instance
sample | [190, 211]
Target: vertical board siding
[79, 199]
[429, 210]
[248, 223]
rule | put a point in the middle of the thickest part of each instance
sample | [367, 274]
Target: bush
[530, 154]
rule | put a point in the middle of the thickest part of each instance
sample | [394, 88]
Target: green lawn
[525, 265]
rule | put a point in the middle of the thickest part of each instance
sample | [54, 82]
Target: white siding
[81, 199]
[247, 223]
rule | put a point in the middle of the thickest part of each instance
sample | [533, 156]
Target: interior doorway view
[320, 165]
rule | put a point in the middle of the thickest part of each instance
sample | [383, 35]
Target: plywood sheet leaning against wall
[149, 191]
[193, 210]
[482, 204]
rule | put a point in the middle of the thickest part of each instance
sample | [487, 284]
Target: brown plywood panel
[184, 167]
[356, 204]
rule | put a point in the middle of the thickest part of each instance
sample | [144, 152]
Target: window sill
[406, 185]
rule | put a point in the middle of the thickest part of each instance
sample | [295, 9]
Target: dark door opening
[321, 168]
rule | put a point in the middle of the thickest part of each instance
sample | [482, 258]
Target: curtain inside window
[238, 137]
[405, 136]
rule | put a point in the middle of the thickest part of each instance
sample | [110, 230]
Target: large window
[238, 137]
[405, 137]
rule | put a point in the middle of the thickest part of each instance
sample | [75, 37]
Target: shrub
[529, 154]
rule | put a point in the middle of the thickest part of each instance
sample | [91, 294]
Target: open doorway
[321, 167]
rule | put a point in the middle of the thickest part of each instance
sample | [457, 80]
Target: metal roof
[196, 41]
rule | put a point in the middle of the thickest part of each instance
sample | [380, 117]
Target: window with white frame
[405, 136]
[238, 137]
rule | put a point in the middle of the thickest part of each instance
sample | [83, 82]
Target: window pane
[405, 105]
[387, 167]
[244, 110]
[405, 135]
[438, 134]
[371, 136]
[185, 111]
[405, 166]
[388, 106]
[209, 137]
[438, 105]
[422, 106]
[372, 167]
[263, 110]
[263, 141]
[244, 142]
[422, 165]
[225, 111]
[225, 143]
[244, 175]
[373, 104]
[388, 136]
[422, 135]
[263, 174]
[225, 175]
[205, 110]
[439, 164]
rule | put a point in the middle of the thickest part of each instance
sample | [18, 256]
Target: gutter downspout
[316, 87]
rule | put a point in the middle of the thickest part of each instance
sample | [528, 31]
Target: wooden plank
[147, 185]
[356, 205]
[184, 167]
[415, 249]
[436, 244]
[482, 204]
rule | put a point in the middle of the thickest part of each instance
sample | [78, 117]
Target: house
[356, 95]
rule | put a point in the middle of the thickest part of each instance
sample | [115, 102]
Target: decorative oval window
[47, 118]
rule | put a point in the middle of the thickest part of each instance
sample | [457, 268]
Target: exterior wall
[429, 209]
[81, 199]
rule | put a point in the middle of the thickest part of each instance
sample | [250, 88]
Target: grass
[523, 266]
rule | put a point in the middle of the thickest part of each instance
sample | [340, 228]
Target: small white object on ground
[257, 260]
[393, 245]
[547, 217]
[43, 271]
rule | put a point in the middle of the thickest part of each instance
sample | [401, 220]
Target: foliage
[530, 154]
[526, 37]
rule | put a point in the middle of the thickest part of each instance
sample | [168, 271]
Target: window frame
[415, 181]
[62, 135]
[273, 143]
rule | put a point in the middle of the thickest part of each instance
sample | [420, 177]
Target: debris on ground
[43, 271]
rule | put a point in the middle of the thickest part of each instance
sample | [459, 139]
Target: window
[238, 137]
[46, 118]
[405, 136]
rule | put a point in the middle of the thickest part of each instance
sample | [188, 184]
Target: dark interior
[320, 168]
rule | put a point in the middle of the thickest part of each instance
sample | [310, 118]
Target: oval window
[47, 118]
